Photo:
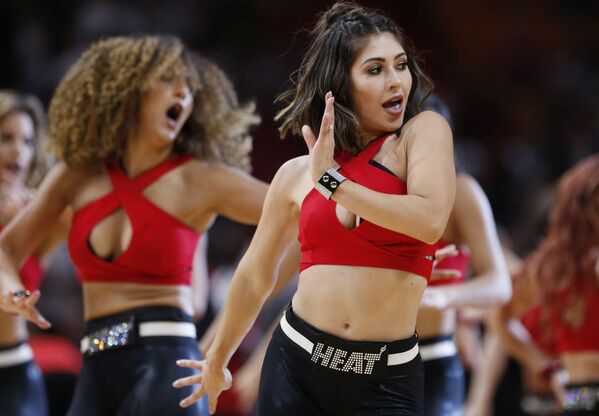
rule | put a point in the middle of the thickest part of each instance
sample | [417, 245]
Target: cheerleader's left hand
[322, 149]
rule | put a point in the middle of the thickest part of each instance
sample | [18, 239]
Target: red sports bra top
[458, 262]
[162, 247]
[574, 322]
[536, 323]
[324, 240]
[31, 272]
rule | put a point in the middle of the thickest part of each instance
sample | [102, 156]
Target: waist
[582, 367]
[137, 326]
[359, 303]
[105, 299]
[435, 348]
[15, 355]
[330, 353]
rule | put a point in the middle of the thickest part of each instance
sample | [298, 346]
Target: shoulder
[63, 176]
[428, 127]
[203, 172]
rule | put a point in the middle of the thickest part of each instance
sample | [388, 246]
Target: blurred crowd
[520, 79]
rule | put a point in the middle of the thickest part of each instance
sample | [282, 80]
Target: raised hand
[23, 303]
[322, 149]
[212, 383]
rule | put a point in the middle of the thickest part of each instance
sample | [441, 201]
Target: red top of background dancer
[161, 248]
[458, 262]
[324, 240]
[536, 322]
[574, 317]
[31, 272]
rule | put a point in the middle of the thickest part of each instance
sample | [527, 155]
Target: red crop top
[161, 248]
[574, 323]
[536, 323]
[324, 240]
[458, 262]
[31, 272]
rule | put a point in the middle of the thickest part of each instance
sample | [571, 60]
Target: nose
[393, 79]
[181, 90]
[16, 148]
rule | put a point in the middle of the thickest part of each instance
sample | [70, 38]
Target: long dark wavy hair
[565, 255]
[338, 36]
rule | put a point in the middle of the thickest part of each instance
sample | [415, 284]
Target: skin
[194, 193]
[582, 367]
[355, 303]
[17, 135]
[471, 225]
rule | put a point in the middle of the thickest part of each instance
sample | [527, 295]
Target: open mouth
[13, 168]
[174, 112]
[394, 102]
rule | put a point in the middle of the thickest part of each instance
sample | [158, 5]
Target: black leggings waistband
[329, 352]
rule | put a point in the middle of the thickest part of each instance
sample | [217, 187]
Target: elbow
[505, 292]
[432, 231]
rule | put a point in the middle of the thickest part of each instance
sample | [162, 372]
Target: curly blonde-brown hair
[13, 102]
[96, 105]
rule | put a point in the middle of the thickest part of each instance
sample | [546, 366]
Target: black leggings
[136, 379]
[295, 383]
[22, 391]
[444, 383]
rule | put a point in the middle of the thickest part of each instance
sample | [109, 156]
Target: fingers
[447, 251]
[198, 365]
[212, 402]
[187, 381]
[327, 125]
[442, 274]
[193, 397]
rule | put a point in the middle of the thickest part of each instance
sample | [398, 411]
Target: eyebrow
[378, 58]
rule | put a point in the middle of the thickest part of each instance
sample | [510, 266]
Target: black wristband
[329, 182]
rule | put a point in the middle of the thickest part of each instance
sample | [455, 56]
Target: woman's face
[381, 84]
[164, 109]
[17, 146]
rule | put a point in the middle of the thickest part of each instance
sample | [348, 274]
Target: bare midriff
[359, 303]
[434, 323]
[582, 367]
[13, 330]
[103, 299]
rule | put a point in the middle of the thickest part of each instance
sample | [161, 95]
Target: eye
[374, 70]
[402, 65]
[5, 137]
[30, 141]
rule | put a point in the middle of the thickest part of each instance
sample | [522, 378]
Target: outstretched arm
[25, 234]
[252, 283]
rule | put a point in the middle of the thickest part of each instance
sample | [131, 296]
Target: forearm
[244, 302]
[486, 377]
[487, 289]
[517, 342]
[411, 215]
[9, 272]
